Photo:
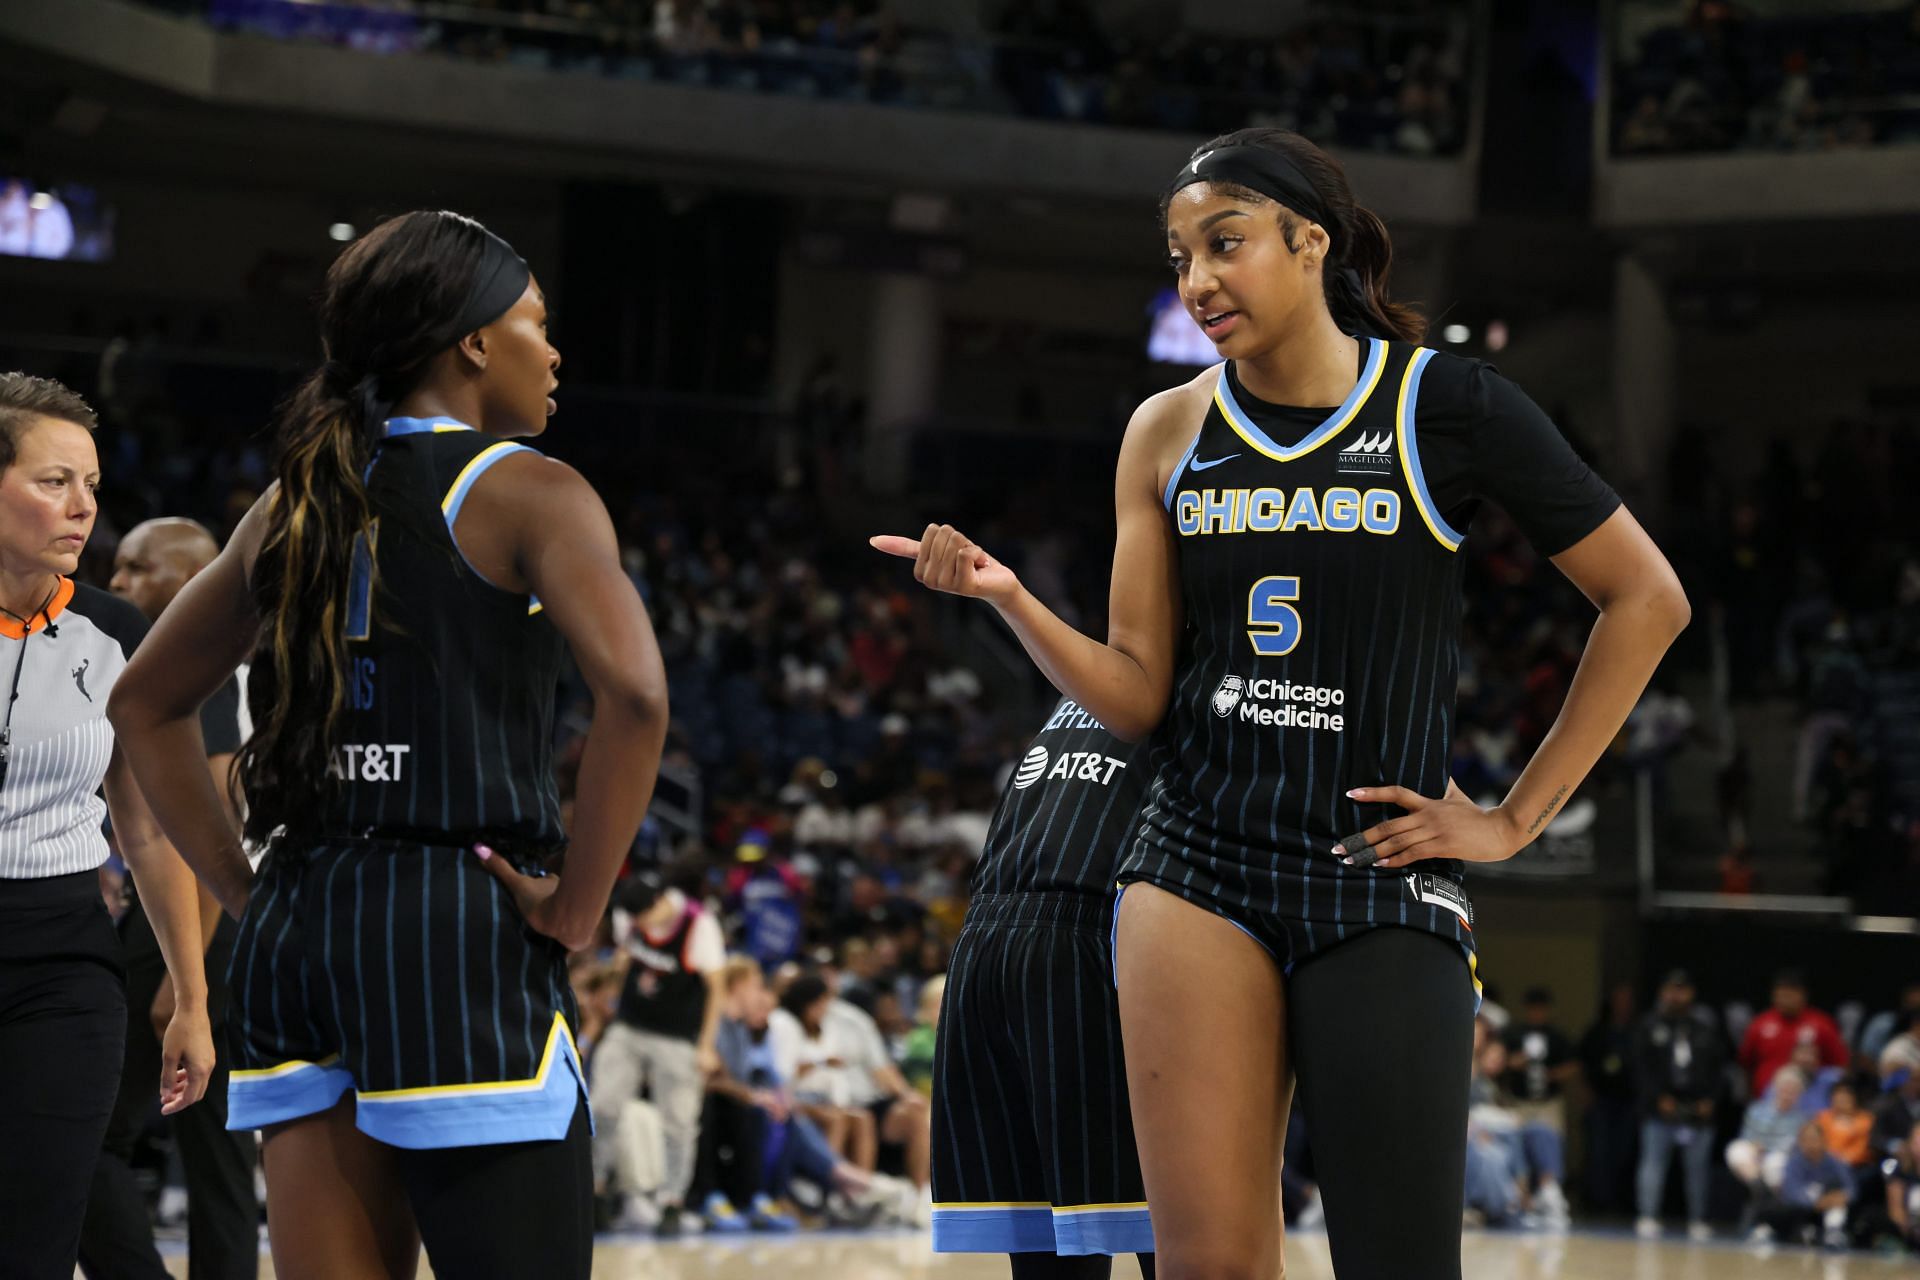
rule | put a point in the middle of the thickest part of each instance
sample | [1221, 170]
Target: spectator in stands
[1820, 1079]
[917, 1063]
[1901, 1172]
[1897, 1112]
[1535, 1149]
[738, 1115]
[1541, 1062]
[671, 952]
[1889, 1023]
[1678, 1057]
[1495, 1194]
[1901, 1052]
[1771, 1037]
[815, 1062]
[1607, 1061]
[1758, 1157]
[1816, 1191]
[1848, 1127]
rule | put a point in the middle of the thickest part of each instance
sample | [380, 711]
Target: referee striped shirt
[59, 740]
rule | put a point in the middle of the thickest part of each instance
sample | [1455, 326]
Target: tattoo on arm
[1547, 812]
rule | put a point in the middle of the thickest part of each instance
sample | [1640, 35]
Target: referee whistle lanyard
[19, 663]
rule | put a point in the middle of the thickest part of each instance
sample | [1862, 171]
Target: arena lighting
[342, 231]
[41, 200]
[1456, 333]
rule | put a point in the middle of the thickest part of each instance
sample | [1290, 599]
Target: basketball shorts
[1033, 1147]
[404, 973]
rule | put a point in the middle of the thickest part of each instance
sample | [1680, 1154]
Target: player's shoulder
[110, 615]
[1174, 413]
[1449, 380]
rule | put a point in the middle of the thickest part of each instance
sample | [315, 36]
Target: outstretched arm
[1126, 682]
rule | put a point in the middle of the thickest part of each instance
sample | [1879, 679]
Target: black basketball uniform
[1033, 1148]
[377, 954]
[1319, 563]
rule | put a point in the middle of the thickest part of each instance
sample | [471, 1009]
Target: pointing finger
[895, 545]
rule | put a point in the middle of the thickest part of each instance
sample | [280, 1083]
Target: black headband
[1265, 171]
[498, 282]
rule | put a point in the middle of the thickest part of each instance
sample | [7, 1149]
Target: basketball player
[1033, 1151]
[152, 563]
[1286, 597]
[402, 1020]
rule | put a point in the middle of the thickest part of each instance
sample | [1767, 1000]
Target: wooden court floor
[1487, 1256]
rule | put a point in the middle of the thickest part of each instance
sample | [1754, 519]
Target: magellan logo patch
[1368, 455]
[1228, 695]
[1031, 769]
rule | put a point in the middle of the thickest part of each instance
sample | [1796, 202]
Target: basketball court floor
[1583, 1255]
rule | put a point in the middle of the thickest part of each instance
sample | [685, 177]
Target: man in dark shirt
[154, 561]
[1613, 1121]
[1678, 1060]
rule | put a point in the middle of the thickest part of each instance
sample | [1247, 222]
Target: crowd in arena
[1721, 78]
[1396, 82]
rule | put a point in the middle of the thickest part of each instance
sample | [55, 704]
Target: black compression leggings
[1380, 1034]
[1051, 1266]
[507, 1211]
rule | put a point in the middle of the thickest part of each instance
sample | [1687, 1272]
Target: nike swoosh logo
[1197, 465]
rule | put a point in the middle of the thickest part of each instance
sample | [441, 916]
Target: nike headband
[1265, 171]
[498, 282]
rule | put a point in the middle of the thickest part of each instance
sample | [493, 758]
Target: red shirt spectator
[1771, 1037]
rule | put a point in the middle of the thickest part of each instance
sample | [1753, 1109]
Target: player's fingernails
[1350, 862]
[1357, 793]
[1340, 851]
[483, 851]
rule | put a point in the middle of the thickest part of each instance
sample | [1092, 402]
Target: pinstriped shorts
[404, 973]
[1033, 1147]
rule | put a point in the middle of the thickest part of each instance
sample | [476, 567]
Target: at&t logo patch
[1031, 768]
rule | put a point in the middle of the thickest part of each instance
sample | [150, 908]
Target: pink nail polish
[483, 851]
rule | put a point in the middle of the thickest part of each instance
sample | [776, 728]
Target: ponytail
[1356, 288]
[300, 581]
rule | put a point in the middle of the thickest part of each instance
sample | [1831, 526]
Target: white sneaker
[1551, 1202]
[1699, 1232]
[1313, 1214]
[638, 1213]
[172, 1210]
[1762, 1234]
[1647, 1228]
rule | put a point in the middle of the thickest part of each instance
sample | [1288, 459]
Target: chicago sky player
[1286, 597]
[1033, 1151]
[402, 1022]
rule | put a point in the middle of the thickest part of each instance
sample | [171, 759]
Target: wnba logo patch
[1034, 765]
[1228, 695]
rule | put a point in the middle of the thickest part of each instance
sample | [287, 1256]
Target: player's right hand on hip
[947, 560]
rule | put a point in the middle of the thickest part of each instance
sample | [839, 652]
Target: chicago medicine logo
[1228, 696]
[1281, 703]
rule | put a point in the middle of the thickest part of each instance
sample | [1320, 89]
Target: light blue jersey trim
[993, 1229]
[256, 1099]
[479, 1114]
[1180, 468]
[1111, 1229]
[418, 426]
[1237, 417]
[1446, 534]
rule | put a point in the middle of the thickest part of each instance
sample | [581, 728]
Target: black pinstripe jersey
[1063, 821]
[1323, 599]
[448, 726]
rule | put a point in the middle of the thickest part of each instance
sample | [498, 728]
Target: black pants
[223, 1217]
[1380, 1030]
[732, 1156]
[507, 1211]
[63, 1017]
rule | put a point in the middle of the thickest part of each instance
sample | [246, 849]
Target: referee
[62, 994]
[153, 562]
